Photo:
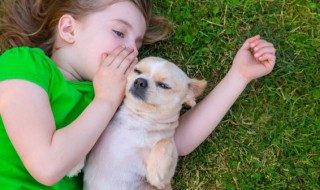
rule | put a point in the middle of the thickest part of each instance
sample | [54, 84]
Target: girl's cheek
[112, 46]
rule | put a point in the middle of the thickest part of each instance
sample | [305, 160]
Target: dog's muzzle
[139, 88]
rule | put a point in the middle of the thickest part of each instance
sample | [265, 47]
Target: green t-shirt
[67, 99]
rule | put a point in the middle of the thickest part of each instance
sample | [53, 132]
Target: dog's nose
[139, 88]
[140, 83]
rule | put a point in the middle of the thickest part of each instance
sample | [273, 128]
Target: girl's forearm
[87, 128]
[70, 144]
[47, 153]
[197, 124]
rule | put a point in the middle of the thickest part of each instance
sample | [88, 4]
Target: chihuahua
[137, 150]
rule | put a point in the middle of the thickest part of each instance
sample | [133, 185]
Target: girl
[62, 77]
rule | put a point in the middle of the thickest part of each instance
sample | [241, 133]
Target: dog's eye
[137, 71]
[163, 85]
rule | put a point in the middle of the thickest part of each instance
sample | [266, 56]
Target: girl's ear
[196, 88]
[66, 28]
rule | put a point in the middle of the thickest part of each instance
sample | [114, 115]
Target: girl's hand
[255, 58]
[110, 80]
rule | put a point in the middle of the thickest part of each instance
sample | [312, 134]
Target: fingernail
[104, 55]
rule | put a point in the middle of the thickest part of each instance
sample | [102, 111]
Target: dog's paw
[156, 179]
[161, 163]
[158, 176]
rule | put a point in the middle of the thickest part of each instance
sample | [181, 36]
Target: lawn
[270, 139]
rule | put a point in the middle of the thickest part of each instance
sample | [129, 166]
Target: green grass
[270, 139]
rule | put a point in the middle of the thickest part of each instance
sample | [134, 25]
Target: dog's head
[157, 85]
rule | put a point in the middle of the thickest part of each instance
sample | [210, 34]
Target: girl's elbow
[182, 149]
[46, 175]
[47, 181]
[47, 178]
[183, 152]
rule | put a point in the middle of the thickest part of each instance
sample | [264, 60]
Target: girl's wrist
[105, 103]
[236, 78]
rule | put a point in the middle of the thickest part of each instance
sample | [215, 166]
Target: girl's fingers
[268, 60]
[131, 67]
[104, 56]
[127, 62]
[254, 38]
[264, 50]
[121, 57]
[260, 44]
[246, 44]
[112, 56]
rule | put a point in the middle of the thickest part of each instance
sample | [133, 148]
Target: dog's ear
[196, 88]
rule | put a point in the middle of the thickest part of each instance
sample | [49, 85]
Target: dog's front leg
[161, 163]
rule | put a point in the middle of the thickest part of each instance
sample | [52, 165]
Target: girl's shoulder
[24, 54]
[30, 64]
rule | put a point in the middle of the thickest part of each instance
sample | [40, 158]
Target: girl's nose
[135, 49]
[133, 46]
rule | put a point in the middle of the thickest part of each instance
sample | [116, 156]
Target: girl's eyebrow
[124, 22]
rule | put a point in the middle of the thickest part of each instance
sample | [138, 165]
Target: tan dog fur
[137, 149]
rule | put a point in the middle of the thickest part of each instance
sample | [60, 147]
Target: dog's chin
[139, 102]
[136, 98]
[137, 95]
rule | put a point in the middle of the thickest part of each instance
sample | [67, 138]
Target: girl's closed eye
[118, 33]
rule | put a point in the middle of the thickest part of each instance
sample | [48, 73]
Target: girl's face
[120, 24]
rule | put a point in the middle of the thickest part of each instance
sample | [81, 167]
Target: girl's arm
[197, 124]
[47, 153]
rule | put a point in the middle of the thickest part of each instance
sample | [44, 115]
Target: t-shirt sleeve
[26, 63]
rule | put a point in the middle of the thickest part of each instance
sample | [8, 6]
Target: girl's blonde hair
[33, 22]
